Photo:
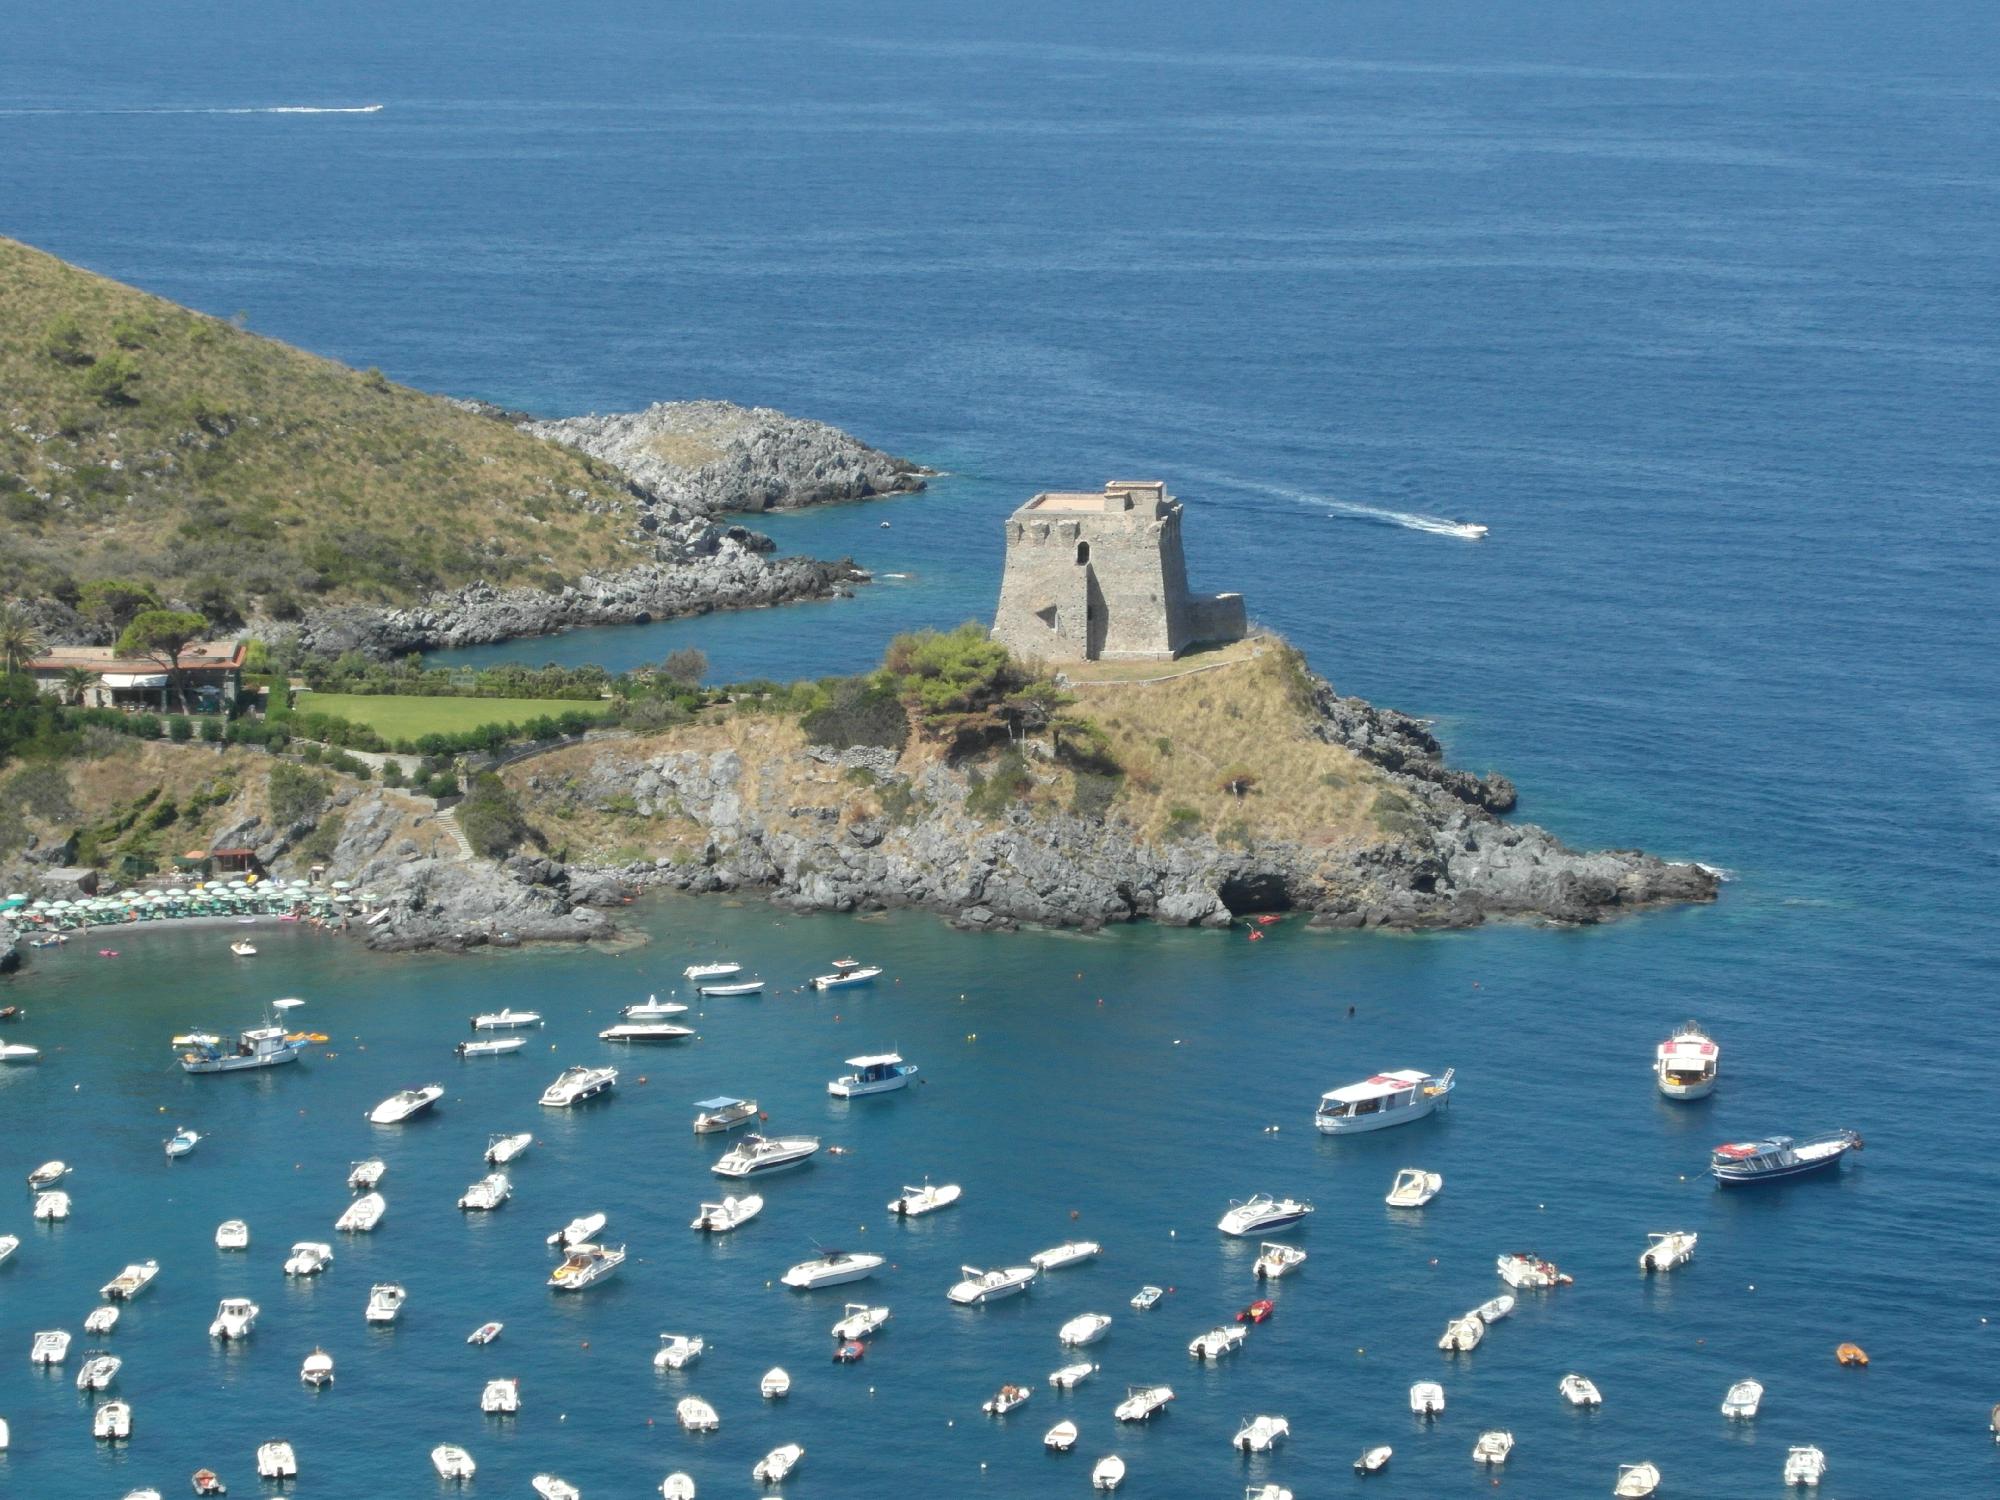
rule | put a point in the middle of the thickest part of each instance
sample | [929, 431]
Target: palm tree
[76, 683]
[20, 641]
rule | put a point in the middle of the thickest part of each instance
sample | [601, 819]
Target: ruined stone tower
[1095, 577]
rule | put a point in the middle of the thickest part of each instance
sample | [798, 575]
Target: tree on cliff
[162, 635]
[20, 641]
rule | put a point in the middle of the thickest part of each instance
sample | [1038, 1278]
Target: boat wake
[1411, 520]
[255, 109]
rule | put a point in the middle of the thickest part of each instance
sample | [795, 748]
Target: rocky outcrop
[707, 457]
[10, 947]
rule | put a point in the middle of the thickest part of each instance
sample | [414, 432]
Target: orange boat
[1851, 1354]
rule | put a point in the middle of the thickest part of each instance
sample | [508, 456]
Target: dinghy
[1578, 1390]
[1636, 1481]
[1108, 1473]
[1374, 1460]
[1060, 1438]
[775, 1384]
[775, 1466]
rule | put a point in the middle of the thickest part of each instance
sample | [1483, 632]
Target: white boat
[776, 1465]
[1427, 1398]
[1217, 1342]
[452, 1462]
[928, 1198]
[51, 1207]
[1069, 1253]
[494, 1047]
[112, 1422]
[1069, 1377]
[362, 1215]
[730, 1213]
[677, 1486]
[1685, 1065]
[101, 1320]
[485, 1333]
[131, 1281]
[653, 1008]
[367, 1175]
[1394, 1098]
[1143, 1402]
[577, 1083]
[1805, 1465]
[976, 1286]
[1493, 1309]
[182, 1141]
[833, 1268]
[487, 1194]
[645, 1031]
[1530, 1273]
[232, 1234]
[775, 1384]
[696, 1415]
[1006, 1399]
[1060, 1438]
[501, 1397]
[1261, 1434]
[846, 979]
[1274, 1260]
[18, 1052]
[243, 948]
[1262, 1214]
[51, 1347]
[861, 1321]
[401, 1105]
[720, 970]
[1084, 1328]
[1462, 1335]
[554, 1487]
[98, 1371]
[1636, 1481]
[317, 1369]
[585, 1265]
[1413, 1188]
[1744, 1397]
[506, 1019]
[1666, 1249]
[235, 1317]
[501, 1149]
[276, 1460]
[1146, 1296]
[385, 1302]
[48, 1174]
[1374, 1460]
[1271, 1491]
[723, 1112]
[309, 1258]
[257, 1047]
[1108, 1473]
[756, 1155]
[876, 1073]
[1493, 1447]
[731, 987]
[1579, 1390]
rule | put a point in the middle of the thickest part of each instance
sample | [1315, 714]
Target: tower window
[1082, 553]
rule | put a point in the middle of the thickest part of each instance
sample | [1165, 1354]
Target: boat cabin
[876, 1069]
[1385, 1093]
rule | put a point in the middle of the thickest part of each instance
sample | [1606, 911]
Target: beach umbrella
[341, 885]
[16, 896]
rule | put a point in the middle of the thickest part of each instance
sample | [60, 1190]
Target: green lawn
[399, 718]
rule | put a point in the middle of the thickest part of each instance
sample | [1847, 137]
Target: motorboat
[731, 987]
[1061, 1437]
[1804, 1465]
[832, 1268]
[848, 1351]
[846, 979]
[257, 1047]
[243, 948]
[1492, 1447]
[101, 1320]
[1143, 1402]
[696, 1415]
[1069, 1377]
[1579, 1390]
[645, 1031]
[585, 1265]
[877, 1073]
[730, 1213]
[1427, 1398]
[1261, 1434]
[51, 1207]
[577, 1083]
[677, 1351]
[720, 970]
[756, 1155]
[232, 1234]
[1262, 1214]
[722, 1113]
[367, 1175]
[776, 1384]
[309, 1258]
[405, 1103]
[452, 1462]
[1636, 1481]
[487, 1194]
[19, 1052]
[485, 1333]
[48, 1174]
[775, 1466]
[51, 1347]
[205, 1482]
[1084, 1328]
[1069, 1253]
[1686, 1063]
[1780, 1156]
[1851, 1355]
[554, 1487]
[1146, 1296]
[1374, 1460]
[235, 1317]
[1530, 1273]
[1413, 1188]
[497, 1046]
[502, 1149]
[1394, 1098]
[112, 1422]
[362, 1215]
[677, 1486]
[861, 1321]
[976, 1286]
[1218, 1341]
[1275, 1260]
[1742, 1399]
[501, 1397]
[98, 1371]
[130, 1282]
[506, 1019]
[1462, 1335]
[653, 1008]
[385, 1302]
[181, 1142]
[276, 1460]
[1006, 1399]
[1108, 1473]
[928, 1198]
[1257, 1312]
[317, 1370]
[1493, 1309]
[1668, 1248]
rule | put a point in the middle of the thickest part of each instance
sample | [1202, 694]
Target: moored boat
[1780, 1156]
[232, 1234]
[757, 1155]
[1061, 1437]
[677, 1486]
[51, 1347]
[1262, 1214]
[976, 1286]
[492, 1047]
[1851, 1355]
[1427, 1398]
[48, 1174]
[1084, 1328]
[501, 1149]
[585, 1265]
[317, 1369]
[501, 1397]
[645, 1031]
[578, 1083]
[258, 1047]
[405, 1103]
[362, 1215]
[452, 1462]
[876, 1073]
[653, 1008]
[1261, 1434]
[720, 970]
[1069, 1377]
[1374, 1460]
[182, 1141]
[385, 1302]
[831, 1268]
[1217, 1341]
[51, 1207]
[1636, 1481]
[1394, 1098]
[487, 1194]
[112, 1422]
[308, 1258]
[98, 1371]
[1668, 1248]
[1579, 1390]
[1006, 1399]
[205, 1482]
[776, 1466]
[731, 987]
[723, 1112]
[846, 979]
[276, 1460]
[1143, 1402]
[1493, 1447]
[131, 1281]
[1685, 1065]
[367, 1175]
[730, 1213]
[1462, 1335]
[1274, 1260]
[485, 1333]
[1146, 1296]
[1257, 1312]
[1069, 1253]
[554, 1487]
[101, 1320]
[1108, 1472]
[696, 1415]
[506, 1019]
[1805, 1465]
[1413, 1188]
[1742, 1399]
[776, 1384]
[1493, 1309]
[1529, 1272]
[235, 1317]
[861, 1321]
[928, 1198]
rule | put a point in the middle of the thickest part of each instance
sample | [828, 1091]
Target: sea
[1691, 306]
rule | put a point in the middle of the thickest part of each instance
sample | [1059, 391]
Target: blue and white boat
[878, 1074]
[259, 1047]
[1780, 1156]
[1394, 1098]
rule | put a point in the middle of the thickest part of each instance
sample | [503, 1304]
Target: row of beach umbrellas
[194, 898]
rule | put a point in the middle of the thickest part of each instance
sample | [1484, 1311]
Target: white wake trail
[1470, 531]
[191, 109]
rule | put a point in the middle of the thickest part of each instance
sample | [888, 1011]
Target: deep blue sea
[1693, 306]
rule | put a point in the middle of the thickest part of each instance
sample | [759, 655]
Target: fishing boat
[1462, 1335]
[506, 1020]
[578, 1083]
[112, 1422]
[756, 1155]
[501, 1149]
[1636, 1481]
[367, 1175]
[1262, 1214]
[1427, 1398]
[405, 1103]
[51, 1207]
[1579, 1390]
[1741, 1401]
[653, 1008]
[776, 1384]
[501, 1397]
[1374, 1460]
[487, 1194]
[1068, 1253]
[485, 1333]
[235, 1317]
[1061, 1437]
[1413, 1188]
[723, 1112]
[696, 1415]
[1146, 1296]
[731, 987]
[677, 1351]
[495, 1047]
[1108, 1473]
[861, 1321]
[645, 1031]
[1492, 1447]
[308, 1258]
[1668, 1248]
[1780, 1156]
[928, 1198]
[101, 1320]
[832, 1268]
[452, 1462]
[774, 1467]
[1685, 1064]
[130, 1282]
[1261, 1434]
[730, 1213]
[1530, 1272]
[385, 1302]
[586, 1265]
[578, 1231]
[276, 1460]
[1217, 1341]
[846, 979]
[266, 1046]
[51, 1347]
[1274, 1260]
[98, 1371]
[1006, 1399]
[1394, 1098]
[362, 1215]
[976, 1286]
[181, 1142]
[1069, 1377]
[317, 1370]
[878, 1073]
[720, 970]
[206, 1483]
[1084, 1328]
[48, 1174]
[554, 1487]
[1143, 1402]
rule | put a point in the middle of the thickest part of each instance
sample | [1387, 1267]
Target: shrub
[1095, 792]
[62, 341]
[491, 817]
[211, 731]
[180, 729]
[110, 379]
[392, 773]
[686, 666]
[1182, 822]
[296, 795]
[42, 789]
[993, 795]
[860, 711]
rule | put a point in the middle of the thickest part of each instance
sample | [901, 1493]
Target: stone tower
[1100, 577]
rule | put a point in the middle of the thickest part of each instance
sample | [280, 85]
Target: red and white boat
[1686, 1063]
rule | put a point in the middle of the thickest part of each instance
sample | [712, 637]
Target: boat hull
[844, 1088]
[1731, 1177]
[1383, 1119]
[1687, 1091]
[238, 1064]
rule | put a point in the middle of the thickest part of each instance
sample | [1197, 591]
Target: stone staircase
[447, 819]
